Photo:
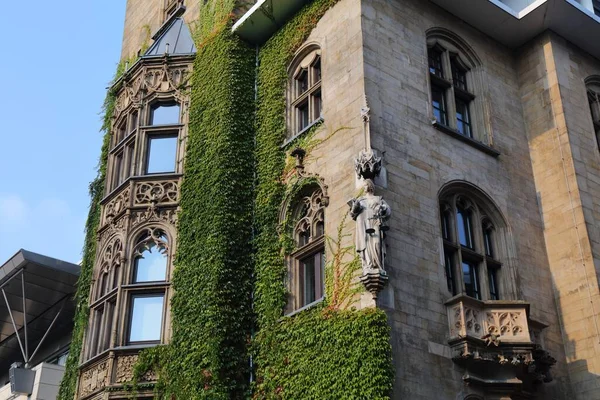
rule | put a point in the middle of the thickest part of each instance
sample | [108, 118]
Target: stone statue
[370, 213]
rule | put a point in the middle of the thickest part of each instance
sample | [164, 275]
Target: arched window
[102, 307]
[306, 271]
[593, 93]
[148, 293]
[470, 244]
[455, 84]
[304, 90]
[151, 258]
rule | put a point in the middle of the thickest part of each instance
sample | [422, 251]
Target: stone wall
[566, 168]
[420, 160]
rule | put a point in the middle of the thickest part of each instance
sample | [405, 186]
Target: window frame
[162, 134]
[456, 253]
[135, 294]
[308, 215]
[309, 63]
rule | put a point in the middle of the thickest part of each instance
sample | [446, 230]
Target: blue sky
[57, 59]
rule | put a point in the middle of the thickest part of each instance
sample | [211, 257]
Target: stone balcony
[492, 341]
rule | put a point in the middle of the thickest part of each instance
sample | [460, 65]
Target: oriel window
[305, 95]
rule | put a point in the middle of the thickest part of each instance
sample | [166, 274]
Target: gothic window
[164, 114]
[593, 93]
[471, 264]
[454, 77]
[149, 283]
[103, 305]
[304, 92]
[306, 273]
[161, 155]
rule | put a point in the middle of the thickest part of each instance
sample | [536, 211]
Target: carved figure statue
[370, 213]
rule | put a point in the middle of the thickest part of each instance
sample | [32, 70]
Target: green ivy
[327, 352]
[68, 384]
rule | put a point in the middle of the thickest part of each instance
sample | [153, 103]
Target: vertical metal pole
[14, 325]
[24, 317]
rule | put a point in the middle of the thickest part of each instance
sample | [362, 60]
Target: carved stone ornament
[94, 379]
[154, 214]
[368, 164]
[125, 370]
[116, 205]
[156, 192]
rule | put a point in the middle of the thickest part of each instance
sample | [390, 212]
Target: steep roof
[174, 38]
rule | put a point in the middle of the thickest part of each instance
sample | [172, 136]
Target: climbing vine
[329, 351]
[96, 189]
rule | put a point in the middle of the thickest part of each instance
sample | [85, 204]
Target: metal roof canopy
[36, 299]
[514, 28]
[265, 18]
[173, 38]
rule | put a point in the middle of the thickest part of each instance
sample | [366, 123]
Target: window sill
[304, 308]
[465, 139]
[316, 122]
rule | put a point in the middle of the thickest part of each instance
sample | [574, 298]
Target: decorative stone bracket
[492, 341]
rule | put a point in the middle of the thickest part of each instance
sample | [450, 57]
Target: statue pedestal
[374, 281]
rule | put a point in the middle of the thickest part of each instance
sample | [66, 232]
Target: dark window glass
[129, 168]
[97, 335]
[317, 70]
[151, 265]
[164, 114]
[435, 62]
[320, 229]
[303, 116]
[471, 279]
[493, 280]
[449, 267]
[302, 82]
[317, 104]
[146, 318]
[438, 98]
[133, 121]
[311, 278]
[596, 4]
[459, 76]
[465, 230]
[487, 241]
[118, 172]
[162, 151]
[446, 227]
[463, 120]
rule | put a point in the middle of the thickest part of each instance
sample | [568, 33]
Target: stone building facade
[486, 115]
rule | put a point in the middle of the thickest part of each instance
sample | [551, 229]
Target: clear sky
[56, 60]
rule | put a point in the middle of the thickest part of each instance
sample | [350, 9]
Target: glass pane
[493, 279]
[439, 105]
[446, 225]
[463, 121]
[308, 288]
[435, 62]
[317, 105]
[118, 172]
[471, 280]
[459, 76]
[302, 82]
[487, 240]
[449, 266]
[134, 121]
[146, 318]
[164, 114]
[161, 154]
[317, 71]
[465, 235]
[151, 266]
[302, 116]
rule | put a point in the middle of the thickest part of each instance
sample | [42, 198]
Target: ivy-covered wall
[228, 282]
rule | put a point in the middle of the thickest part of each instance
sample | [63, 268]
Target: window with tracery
[104, 299]
[304, 91]
[454, 82]
[149, 275]
[145, 142]
[306, 274]
[471, 264]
